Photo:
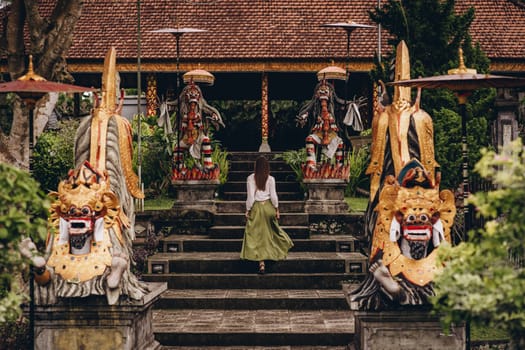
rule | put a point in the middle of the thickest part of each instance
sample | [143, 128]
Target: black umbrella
[463, 81]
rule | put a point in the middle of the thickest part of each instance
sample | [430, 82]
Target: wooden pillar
[151, 96]
[265, 147]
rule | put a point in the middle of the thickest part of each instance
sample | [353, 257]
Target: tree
[433, 33]
[49, 41]
[484, 278]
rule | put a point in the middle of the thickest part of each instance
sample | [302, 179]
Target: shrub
[484, 278]
[295, 159]
[23, 212]
[53, 155]
[358, 160]
[156, 155]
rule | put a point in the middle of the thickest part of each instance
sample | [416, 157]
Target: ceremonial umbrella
[349, 27]
[178, 32]
[32, 87]
[463, 81]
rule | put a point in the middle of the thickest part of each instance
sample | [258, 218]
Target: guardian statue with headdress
[193, 129]
[328, 117]
[408, 218]
[89, 244]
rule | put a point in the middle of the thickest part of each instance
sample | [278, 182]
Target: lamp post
[178, 33]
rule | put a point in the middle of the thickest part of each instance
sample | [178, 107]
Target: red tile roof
[235, 29]
[244, 30]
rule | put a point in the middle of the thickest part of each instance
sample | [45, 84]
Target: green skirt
[264, 239]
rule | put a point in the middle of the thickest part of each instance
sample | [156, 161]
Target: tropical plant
[358, 159]
[484, 278]
[156, 152]
[220, 157]
[295, 159]
[23, 213]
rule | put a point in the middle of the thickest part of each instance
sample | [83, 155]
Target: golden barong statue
[408, 217]
[89, 244]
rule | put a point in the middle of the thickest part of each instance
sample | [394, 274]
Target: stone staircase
[216, 301]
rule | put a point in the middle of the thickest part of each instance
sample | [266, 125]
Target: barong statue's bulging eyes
[410, 218]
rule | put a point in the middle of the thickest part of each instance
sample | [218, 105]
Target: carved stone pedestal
[90, 323]
[410, 329]
[325, 196]
[195, 194]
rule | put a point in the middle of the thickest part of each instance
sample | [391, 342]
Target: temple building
[263, 49]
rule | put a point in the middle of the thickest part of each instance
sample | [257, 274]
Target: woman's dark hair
[262, 171]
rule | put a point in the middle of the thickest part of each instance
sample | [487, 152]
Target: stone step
[279, 175]
[240, 347]
[296, 206]
[273, 327]
[248, 166]
[235, 219]
[222, 232]
[282, 186]
[229, 262]
[251, 156]
[201, 243]
[241, 195]
[325, 280]
[253, 299]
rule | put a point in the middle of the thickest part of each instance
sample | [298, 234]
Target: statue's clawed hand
[300, 120]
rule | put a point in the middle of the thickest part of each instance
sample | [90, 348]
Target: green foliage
[156, 155]
[243, 125]
[433, 32]
[53, 154]
[23, 212]
[358, 159]
[484, 278]
[295, 159]
[220, 158]
[65, 105]
[6, 112]
[14, 335]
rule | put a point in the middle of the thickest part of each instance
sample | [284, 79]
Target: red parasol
[31, 87]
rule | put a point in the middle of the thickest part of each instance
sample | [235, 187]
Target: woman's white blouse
[253, 194]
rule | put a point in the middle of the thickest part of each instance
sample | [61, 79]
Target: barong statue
[329, 116]
[408, 217]
[193, 131]
[89, 244]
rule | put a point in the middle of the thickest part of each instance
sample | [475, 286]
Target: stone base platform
[410, 329]
[195, 194]
[90, 323]
[325, 196]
